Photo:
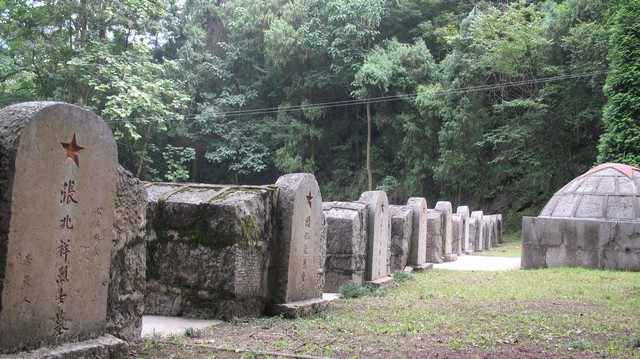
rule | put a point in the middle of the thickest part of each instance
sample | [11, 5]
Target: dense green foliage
[495, 104]
[621, 139]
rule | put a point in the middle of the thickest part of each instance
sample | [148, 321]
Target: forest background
[491, 104]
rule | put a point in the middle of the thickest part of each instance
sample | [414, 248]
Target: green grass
[510, 248]
[560, 312]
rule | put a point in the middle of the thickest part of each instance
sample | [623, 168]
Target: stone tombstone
[418, 252]
[487, 232]
[447, 231]
[465, 213]
[346, 224]
[478, 234]
[434, 236]
[401, 228]
[378, 233]
[499, 224]
[299, 238]
[457, 226]
[473, 233]
[58, 183]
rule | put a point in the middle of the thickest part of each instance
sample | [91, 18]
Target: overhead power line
[372, 100]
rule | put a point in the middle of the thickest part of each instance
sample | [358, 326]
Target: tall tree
[620, 141]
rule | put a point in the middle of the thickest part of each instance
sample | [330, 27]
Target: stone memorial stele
[379, 234]
[447, 231]
[300, 241]
[465, 213]
[457, 227]
[479, 233]
[434, 236]
[58, 184]
[487, 232]
[418, 254]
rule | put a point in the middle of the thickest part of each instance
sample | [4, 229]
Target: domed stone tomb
[592, 222]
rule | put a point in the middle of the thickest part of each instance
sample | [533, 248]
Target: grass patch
[400, 276]
[352, 290]
[559, 312]
[511, 247]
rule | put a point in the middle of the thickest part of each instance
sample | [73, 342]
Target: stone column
[465, 213]
[379, 234]
[58, 183]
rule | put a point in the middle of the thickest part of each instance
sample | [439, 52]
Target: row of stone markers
[369, 239]
[85, 247]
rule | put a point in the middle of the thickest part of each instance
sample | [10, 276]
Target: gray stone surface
[457, 233]
[346, 224]
[435, 221]
[478, 234]
[401, 228]
[378, 234]
[125, 304]
[418, 251]
[104, 347]
[58, 182]
[608, 191]
[303, 308]
[299, 247]
[466, 215]
[487, 232]
[447, 235]
[208, 249]
[560, 242]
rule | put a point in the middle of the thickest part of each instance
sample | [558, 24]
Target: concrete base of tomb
[450, 257]
[408, 269]
[422, 267]
[302, 308]
[469, 252]
[384, 282]
[104, 347]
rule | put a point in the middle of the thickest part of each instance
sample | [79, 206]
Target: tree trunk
[369, 174]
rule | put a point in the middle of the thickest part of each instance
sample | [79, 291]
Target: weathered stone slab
[208, 249]
[466, 214]
[125, 304]
[401, 228]
[457, 236]
[596, 244]
[303, 308]
[499, 228]
[487, 232]
[478, 234]
[299, 248]
[378, 233]
[58, 183]
[434, 236]
[418, 251]
[346, 243]
[104, 347]
[447, 234]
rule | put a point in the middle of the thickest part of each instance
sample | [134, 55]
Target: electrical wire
[372, 100]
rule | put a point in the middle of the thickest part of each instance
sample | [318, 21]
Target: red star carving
[309, 198]
[72, 149]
